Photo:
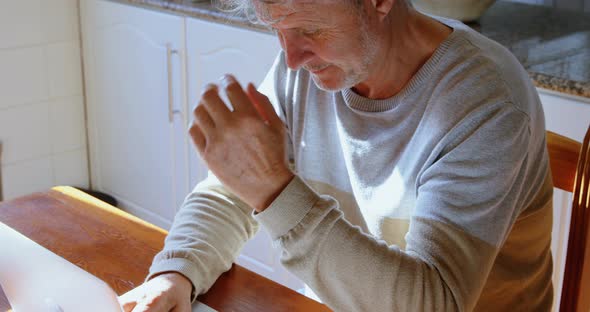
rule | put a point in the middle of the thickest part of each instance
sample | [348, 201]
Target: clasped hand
[244, 148]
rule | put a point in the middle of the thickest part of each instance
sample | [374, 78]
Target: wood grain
[118, 248]
[563, 158]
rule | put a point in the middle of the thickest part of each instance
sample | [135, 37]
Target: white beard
[353, 76]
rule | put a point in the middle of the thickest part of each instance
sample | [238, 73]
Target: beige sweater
[437, 199]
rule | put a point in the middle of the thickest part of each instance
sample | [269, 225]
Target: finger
[236, 95]
[182, 307]
[264, 107]
[210, 99]
[142, 307]
[151, 307]
[128, 300]
[204, 119]
[128, 306]
[252, 96]
[198, 138]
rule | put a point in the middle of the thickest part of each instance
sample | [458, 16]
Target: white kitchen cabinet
[144, 73]
[569, 116]
[134, 64]
[212, 51]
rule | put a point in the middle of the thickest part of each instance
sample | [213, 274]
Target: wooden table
[118, 248]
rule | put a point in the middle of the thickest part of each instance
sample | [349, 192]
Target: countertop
[553, 45]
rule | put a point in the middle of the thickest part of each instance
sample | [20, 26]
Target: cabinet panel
[131, 75]
[566, 115]
[212, 51]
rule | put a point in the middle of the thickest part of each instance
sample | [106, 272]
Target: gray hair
[246, 8]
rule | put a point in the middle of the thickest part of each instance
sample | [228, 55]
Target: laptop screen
[35, 279]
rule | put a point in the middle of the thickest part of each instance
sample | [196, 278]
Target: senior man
[420, 178]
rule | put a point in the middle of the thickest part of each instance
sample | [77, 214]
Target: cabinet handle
[171, 110]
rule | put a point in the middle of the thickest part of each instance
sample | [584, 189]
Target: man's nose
[296, 49]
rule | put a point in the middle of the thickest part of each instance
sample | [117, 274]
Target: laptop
[35, 279]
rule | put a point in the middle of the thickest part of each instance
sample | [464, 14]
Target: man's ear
[383, 7]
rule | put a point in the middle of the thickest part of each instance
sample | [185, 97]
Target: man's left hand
[244, 148]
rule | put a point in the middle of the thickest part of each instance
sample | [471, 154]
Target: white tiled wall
[42, 126]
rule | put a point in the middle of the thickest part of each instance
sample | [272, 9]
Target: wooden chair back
[570, 169]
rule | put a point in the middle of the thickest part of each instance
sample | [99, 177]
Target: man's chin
[327, 83]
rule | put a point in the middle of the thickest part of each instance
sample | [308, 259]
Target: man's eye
[310, 32]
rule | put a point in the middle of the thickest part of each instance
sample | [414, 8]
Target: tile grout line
[44, 100]
[48, 82]
[38, 45]
[47, 155]
[84, 96]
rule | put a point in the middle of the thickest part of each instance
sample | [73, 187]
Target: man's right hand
[164, 293]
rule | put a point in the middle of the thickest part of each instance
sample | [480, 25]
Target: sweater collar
[360, 103]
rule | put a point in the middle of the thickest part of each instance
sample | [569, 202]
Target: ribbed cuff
[288, 209]
[178, 265]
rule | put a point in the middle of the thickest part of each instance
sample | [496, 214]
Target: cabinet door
[212, 51]
[569, 116]
[133, 63]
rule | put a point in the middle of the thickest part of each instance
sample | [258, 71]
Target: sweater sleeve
[467, 200]
[207, 235]
[212, 224]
